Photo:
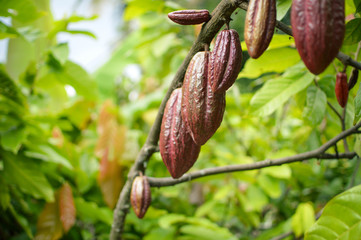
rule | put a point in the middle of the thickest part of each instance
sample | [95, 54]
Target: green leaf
[281, 172]
[160, 234]
[327, 85]
[79, 79]
[316, 105]
[353, 32]
[278, 41]
[90, 211]
[26, 175]
[275, 60]
[4, 194]
[357, 102]
[282, 8]
[340, 219]
[357, 5]
[137, 8]
[7, 32]
[204, 233]
[168, 220]
[47, 153]
[9, 89]
[83, 32]
[270, 185]
[303, 219]
[277, 91]
[12, 140]
[61, 52]
[22, 221]
[257, 199]
[21, 10]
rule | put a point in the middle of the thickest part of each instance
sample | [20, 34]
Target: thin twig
[343, 125]
[354, 174]
[334, 110]
[317, 153]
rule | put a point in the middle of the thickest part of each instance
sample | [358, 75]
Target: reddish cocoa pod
[189, 17]
[140, 196]
[259, 26]
[341, 89]
[318, 28]
[202, 110]
[225, 61]
[177, 148]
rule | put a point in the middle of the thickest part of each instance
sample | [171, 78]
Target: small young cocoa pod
[318, 28]
[189, 17]
[341, 89]
[225, 61]
[353, 79]
[177, 148]
[259, 26]
[202, 110]
[140, 196]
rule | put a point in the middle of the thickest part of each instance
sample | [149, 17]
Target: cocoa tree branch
[345, 59]
[317, 153]
[221, 13]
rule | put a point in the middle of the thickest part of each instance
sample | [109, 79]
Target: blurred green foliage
[49, 137]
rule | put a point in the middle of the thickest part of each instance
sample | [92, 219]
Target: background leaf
[340, 219]
[277, 91]
[303, 219]
[353, 31]
[275, 60]
[316, 105]
[25, 174]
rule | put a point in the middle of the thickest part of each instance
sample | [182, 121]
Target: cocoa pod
[225, 61]
[177, 148]
[202, 110]
[140, 196]
[353, 79]
[259, 26]
[318, 28]
[189, 17]
[341, 89]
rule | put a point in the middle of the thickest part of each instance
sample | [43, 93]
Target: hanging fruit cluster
[194, 112]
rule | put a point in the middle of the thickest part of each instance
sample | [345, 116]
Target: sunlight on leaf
[340, 219]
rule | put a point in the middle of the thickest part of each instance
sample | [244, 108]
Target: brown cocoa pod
[189, 17]
[177, 148]
[202, 110]
[140, 196]
[341, 89]
[353, 79]
[318, 28]
[225, 61]
[259, 26]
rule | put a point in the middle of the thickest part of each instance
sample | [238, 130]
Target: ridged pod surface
[341, 89]
[202, 110]
[177, 148]
[259, 26]
[189, 17]
[318, 27]
[225, 61]
[140, 196]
